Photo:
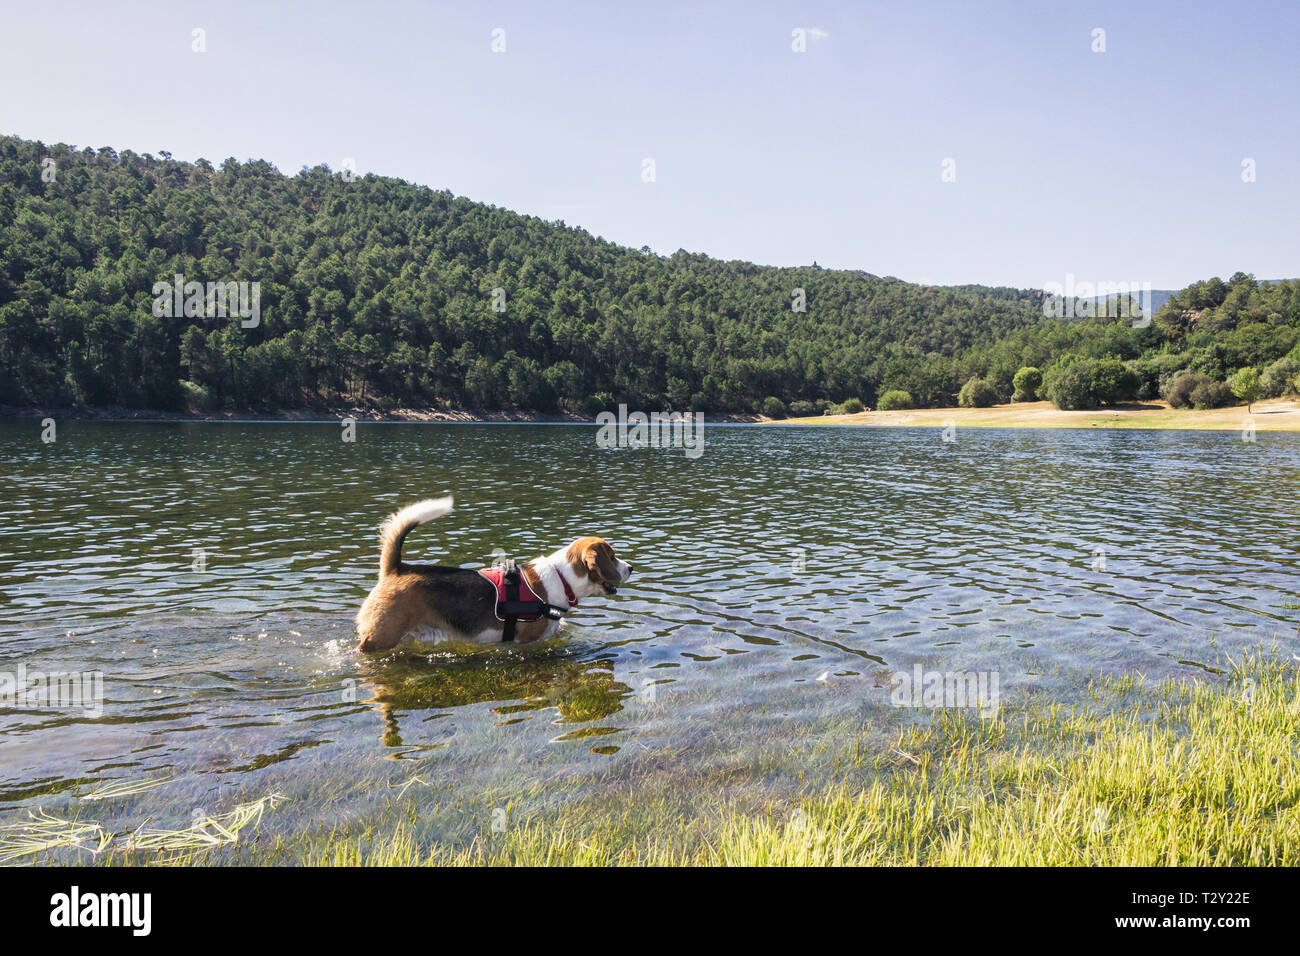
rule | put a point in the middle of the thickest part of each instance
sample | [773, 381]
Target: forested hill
[380, 292]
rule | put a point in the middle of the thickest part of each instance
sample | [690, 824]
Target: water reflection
[415, 688]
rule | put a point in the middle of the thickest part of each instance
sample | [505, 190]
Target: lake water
[210, 572]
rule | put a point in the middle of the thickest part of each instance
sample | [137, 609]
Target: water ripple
[210, 572]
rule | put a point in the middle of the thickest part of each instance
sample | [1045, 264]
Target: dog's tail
[399, 524]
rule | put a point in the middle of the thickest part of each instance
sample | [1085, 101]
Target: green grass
[1202, 772]
[1172, 774]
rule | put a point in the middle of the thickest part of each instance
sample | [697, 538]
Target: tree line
[1211, 344]
[378, 292]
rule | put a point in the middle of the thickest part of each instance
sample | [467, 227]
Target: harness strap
[511, 602]
[511, 608]
[568, 591]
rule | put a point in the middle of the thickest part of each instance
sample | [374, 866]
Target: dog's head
[596, 565]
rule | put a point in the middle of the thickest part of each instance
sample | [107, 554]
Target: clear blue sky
[1123, 165]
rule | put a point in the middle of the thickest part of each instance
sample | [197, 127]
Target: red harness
[528, 605]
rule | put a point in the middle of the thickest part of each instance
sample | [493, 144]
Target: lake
[210, 572]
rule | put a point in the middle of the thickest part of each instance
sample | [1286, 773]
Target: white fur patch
[419, 513]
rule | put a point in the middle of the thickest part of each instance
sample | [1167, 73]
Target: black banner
[941, 905]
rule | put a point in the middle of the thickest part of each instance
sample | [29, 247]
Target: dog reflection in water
[525, 681]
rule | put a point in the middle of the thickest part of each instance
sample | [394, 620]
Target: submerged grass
[123, 788]
[1175, 774]
[1201, 772]
[43, 833]
[43, 837]
[207, 831]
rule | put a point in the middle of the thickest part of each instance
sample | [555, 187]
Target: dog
[465, 605]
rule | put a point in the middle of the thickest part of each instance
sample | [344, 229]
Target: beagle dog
[463, 604]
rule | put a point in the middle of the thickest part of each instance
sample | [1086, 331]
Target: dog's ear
[602, 566]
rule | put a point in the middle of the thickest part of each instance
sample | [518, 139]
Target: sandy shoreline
[1276, 414]
[1271, 415]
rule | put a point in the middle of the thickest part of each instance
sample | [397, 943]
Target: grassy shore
[1272, 415]
[1191, 772]
[1175, 774]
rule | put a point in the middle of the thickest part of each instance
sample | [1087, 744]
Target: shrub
[1167, 380]
[802, 409]
[1148, 374]
[1113, 381]
[977, 393]
[196, 397]
[1069, 387]
[1277, 378]
[773, 407]
[1158, 372]
[1180, 393]
[1027, 382]
[1208, 360]
[1212, 394]
[851, 406]
[599, 402]
[1246, 385]
[894, 399]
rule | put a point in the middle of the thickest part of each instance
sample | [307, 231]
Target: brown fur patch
[594, 558]
[393, 607]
